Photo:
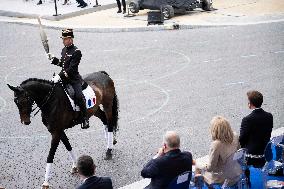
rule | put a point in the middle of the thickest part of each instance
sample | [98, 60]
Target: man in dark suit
[86, 169]
[168, 163]
[255, 131]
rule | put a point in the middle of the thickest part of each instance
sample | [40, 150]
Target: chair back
[232, 169]
[182, 181]
[240, 156]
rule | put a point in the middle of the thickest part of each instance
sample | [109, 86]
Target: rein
[45, 100]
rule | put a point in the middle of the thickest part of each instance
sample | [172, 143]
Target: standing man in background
[255, 131]
[119, 6]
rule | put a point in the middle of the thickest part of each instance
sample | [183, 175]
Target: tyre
[206, 5]
[168, 11]
[133, 7]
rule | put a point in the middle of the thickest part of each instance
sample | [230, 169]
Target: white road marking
[24, 137]
[235, 83]
[178, 70]
[276, 52]
[217, 60]
[185, 65]
[113, 50]
[4, 104]
[9, 73]
[158, 109]
[247, 56]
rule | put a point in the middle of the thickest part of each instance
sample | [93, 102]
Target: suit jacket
[164, 169]
[255, 131]
[96, 183]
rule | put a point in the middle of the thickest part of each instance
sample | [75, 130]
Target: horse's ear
[15, 89]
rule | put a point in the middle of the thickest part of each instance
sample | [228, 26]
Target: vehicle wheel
[133, 7]
[207, 5]
[168, 11]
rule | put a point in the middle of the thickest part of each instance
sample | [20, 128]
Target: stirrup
[85, 124]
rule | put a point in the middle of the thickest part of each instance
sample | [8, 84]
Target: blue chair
[182, 181]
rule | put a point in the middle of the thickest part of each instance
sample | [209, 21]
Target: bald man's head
[172, 140]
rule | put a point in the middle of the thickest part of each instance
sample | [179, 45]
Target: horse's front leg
[68, 147]
[54, 144]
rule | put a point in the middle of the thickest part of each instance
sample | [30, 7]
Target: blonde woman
[220, 165]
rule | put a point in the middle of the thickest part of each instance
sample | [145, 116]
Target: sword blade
[43, 36]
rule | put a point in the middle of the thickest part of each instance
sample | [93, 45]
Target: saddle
[70, 91]
[88, 92]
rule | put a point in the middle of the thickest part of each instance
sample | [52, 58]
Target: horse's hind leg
[110, 141]
[102, 116]
[68, 146]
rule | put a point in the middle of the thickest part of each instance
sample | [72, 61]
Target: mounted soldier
[70, 60]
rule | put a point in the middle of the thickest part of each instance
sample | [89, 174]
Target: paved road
[168, 80]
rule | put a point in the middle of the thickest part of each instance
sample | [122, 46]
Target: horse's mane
[36, 79]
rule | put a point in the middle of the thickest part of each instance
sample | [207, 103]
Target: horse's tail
[115, 110]
[115, 107]
[104, 72]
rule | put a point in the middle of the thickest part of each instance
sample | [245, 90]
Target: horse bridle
[45, 100]
[29, 99]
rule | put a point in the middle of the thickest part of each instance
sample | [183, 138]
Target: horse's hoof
[74, 170]
[108, 155]
[114, 141]
[45, 185]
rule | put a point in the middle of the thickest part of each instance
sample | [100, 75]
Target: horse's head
[23, 102]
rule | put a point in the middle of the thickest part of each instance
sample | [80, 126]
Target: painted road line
[248, 56]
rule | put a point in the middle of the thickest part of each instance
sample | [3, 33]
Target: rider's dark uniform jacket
[70, 59]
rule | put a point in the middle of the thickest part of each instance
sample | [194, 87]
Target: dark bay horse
[58, 115]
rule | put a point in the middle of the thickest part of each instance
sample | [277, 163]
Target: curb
[172, 26]
[166, 26]
[59, 17]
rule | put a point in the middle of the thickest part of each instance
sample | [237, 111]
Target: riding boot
[83, 108]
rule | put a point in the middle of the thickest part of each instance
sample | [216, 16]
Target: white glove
[49, 56]
[56, 78]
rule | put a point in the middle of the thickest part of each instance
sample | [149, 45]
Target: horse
[58, 115]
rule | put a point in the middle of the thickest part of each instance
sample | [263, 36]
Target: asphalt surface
[167, 80]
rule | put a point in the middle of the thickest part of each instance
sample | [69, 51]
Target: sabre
[43, 36]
